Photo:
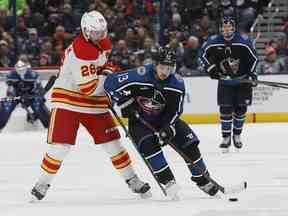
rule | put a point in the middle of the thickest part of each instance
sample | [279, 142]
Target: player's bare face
[227, 30]
[96, 36]
[163, 71]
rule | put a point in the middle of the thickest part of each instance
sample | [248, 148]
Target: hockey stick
[268, 83]
[135, 146]
[225, 190]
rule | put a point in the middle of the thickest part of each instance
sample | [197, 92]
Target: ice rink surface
[88, 185]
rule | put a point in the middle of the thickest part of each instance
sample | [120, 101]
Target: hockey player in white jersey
[78, 98]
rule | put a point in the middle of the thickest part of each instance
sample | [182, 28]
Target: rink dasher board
[270, 104]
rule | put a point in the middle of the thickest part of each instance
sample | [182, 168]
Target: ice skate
[209, 188]
[205, 185]
[139, 187]
[237, 142]
[39, 191]
[225, 144]
[172, 189]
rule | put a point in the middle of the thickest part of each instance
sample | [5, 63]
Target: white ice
[88, 185]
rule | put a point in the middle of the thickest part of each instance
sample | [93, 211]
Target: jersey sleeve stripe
[205, 51]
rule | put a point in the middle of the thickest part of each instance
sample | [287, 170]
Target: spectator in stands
[193, 10]
[246, 14]
[124, 52]
[57, 55]
[4, 22]
[22, 30]
[204, 29]
[282, 44]
[51, 23]
[61, 37]
[4, 54]
[271, 64]
[68, 20]
[149, 50]
[47, 47]
[190, 64]
[43, 60]
[32, 46]
[131, 39]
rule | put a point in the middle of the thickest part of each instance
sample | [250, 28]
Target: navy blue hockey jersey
[25, 83]
[158, 101]
[240, 53]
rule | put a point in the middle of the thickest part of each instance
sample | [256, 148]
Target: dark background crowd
[46, 27]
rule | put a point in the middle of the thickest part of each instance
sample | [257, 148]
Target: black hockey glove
[167, 133]
[253, 77]
[129, 108]
[213, 72]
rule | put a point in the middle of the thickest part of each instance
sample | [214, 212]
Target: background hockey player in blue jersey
[24, 87]
[229, 57]
[156, 94]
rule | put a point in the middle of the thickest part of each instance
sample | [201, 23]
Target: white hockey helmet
[93, 26]
[21, 67]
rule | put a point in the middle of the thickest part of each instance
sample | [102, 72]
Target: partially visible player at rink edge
[156, 94]
[24, 87]
[78, 98]
[229, 57]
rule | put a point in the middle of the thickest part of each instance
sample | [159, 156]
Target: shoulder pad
[213, 37]
[12, 74]
[244, 36]
[179, 77]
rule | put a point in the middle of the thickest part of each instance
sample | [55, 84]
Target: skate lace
[42, 188]
[135, 183]
[226, 140]
[207, 187]
[237, 139]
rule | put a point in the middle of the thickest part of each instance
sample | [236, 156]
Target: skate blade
[237, 150]
[175, 198]
[225, 150]
[146, 195]
[172, 192]
[34, 199]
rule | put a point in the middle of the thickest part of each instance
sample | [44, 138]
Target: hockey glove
[213, 72]
[129, 108]
[253, 77]
[167, 133]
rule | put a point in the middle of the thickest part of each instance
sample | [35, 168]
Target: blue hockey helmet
[228, 27]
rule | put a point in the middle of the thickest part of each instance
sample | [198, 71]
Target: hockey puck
[233, 199]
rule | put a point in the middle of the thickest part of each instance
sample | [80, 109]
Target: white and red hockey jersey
[79, 86]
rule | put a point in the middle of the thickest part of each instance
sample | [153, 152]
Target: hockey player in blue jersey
[24, 87]
[156, 94]
[229, 57]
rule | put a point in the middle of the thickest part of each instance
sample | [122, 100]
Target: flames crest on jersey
[152, 105]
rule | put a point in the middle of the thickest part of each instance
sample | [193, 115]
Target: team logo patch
[141, 71]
